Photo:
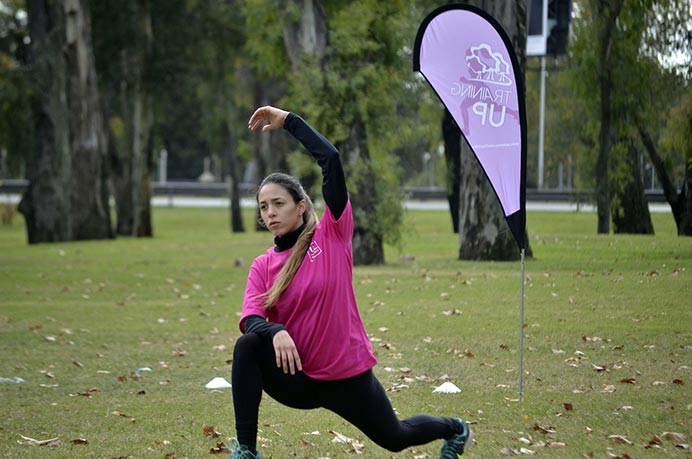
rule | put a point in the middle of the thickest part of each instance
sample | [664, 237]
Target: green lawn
[607, 342]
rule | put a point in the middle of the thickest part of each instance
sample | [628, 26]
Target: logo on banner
[484, 90]
[314, 251]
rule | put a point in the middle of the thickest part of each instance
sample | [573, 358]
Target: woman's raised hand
[267, 114]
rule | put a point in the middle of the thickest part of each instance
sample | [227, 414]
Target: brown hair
[289, 269]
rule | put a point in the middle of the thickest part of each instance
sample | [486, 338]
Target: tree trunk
[631, 209]
[270, 150]
[483, 231]
[90, 209]
[685, 226]
[46, 204]
[609, 11]
[132, 167]
[234, 177]
[452, 140]
[367, 242]
[66, 198]
[680, 204]
[307, 36]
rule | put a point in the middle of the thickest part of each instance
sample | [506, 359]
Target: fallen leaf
[79, 441]
[619, 440]
[568, 406]
[542, 429]
[50, 442]
[88, 392]
[219, 449]
[628, 380]
[674, 437]
[122, 415]
[341, 438]
[655, 442]
[210, 431]
[608, 388]
[679, 382]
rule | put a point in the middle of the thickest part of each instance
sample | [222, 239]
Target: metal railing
[218, 189]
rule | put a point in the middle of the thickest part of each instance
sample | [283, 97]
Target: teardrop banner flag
[469, 61]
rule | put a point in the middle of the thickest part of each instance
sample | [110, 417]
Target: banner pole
[521, 332]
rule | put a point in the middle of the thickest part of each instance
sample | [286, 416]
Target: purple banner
[468, 60]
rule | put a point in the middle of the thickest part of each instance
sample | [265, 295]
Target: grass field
[607, 342]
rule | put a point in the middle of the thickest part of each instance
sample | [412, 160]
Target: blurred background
[104, 103]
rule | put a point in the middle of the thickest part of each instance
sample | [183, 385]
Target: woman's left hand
[267, 114]
[287, 356]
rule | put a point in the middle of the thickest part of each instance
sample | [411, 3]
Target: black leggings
[361, 400]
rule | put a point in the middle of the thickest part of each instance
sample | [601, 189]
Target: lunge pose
[303, 340]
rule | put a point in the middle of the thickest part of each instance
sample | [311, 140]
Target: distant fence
[192, 188]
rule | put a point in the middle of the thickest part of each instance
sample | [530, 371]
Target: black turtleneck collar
[288, 240]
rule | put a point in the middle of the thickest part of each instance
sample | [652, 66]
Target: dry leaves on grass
[619, 440]
[210, 431]
[543, 429]
[517, 452]
[122, 415]
[220, 448]
[33, 442]
[341, 438]
[87, 393]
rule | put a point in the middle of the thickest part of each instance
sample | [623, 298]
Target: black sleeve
[327, 156]
[256, 324]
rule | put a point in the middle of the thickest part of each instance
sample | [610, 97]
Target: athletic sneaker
[241, 452]
[455, 447]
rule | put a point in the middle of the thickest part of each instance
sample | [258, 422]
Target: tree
[66, 198]
[452, 142]
[16, 136]
[350, 93]
[124, 55]
[678, 138]
[219, 40]
[483, 232]
[607, 12]
[626, 65]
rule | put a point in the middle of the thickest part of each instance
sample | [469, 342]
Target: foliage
[643, 90]
[78, 319]
[676, 136]
[364, 78]
[16, 132]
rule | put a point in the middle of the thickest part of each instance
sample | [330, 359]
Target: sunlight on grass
[607, 350]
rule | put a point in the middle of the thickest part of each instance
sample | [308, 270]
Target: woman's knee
[249, 343]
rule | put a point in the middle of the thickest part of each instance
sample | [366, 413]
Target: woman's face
[280, 213]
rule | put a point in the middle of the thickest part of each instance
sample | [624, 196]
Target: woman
[304, 342]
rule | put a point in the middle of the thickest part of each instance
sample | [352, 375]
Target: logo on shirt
[314, 251]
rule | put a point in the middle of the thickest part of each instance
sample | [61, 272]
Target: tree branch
[669, 189]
